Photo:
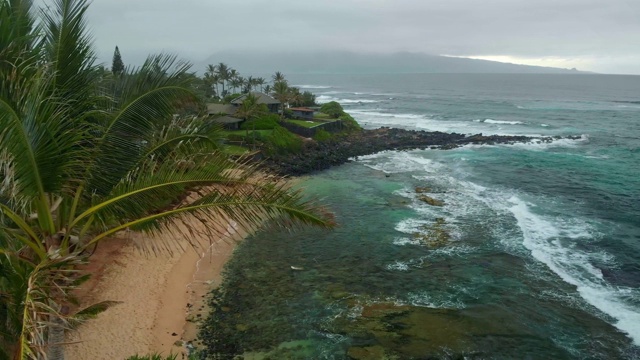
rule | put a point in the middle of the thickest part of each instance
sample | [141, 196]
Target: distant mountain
[336, 62]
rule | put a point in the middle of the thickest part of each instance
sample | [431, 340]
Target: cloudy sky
[594, 35]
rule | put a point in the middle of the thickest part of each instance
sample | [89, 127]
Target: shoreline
[317, 156]
[160, 307]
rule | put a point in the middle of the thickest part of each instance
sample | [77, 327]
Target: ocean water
[534, 254]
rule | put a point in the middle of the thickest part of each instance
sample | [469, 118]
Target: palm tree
[278, 77]
[260, 81]
[242, 83]
[281, 93]
[267, 89]
[81, 161]
[223, 72]
[250, 82]
[249, 110]
[295, 97]
[236, 83]
[212, 79]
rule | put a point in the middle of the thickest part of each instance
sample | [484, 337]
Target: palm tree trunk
[56, 339]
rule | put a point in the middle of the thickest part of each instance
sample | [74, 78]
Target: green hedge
[266, 122]
[281, 141]
[322, 135]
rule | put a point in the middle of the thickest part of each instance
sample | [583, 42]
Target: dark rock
[316, 156]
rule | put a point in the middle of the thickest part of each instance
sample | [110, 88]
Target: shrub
[322, 135]
[332, 109]
[281, 141]
[308, 99]
[266, 122]
[349, 123]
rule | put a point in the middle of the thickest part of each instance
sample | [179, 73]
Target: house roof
[302, 109]
[227, 120]
[262, 98]
[214, 109]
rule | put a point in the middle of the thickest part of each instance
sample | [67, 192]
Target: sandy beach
[158, 293]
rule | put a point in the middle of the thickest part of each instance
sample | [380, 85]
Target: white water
[544, 238]
[555, 240]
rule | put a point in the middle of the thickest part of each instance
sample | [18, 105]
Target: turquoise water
[535, 253]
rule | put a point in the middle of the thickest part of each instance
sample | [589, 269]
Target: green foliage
[304, 123]
[308, 99]
[230, 97]
[349, 123]
[332, 109]
[322, 135]
[85, 155]
[282, 141]
[336, 111]
[264, 122]
[117, 66]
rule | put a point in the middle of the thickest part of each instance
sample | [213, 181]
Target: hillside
[355, 63]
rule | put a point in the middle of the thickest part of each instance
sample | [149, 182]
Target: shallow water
[535, 252]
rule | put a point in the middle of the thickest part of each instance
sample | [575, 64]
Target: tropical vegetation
[86, 153]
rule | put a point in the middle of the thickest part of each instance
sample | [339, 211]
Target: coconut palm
[278, 77]
[249, 83]
[295, 96]
[211, 80]
[224, 74]
[82, 159]
[260, 81]
[249, 110]
[281, 93]
[236, 83]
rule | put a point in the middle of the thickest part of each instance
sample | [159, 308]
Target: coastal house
[272, 104]
[302, 113]
[224, 113]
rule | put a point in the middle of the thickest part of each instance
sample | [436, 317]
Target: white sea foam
[314, 86]
[403, 241]
[325, 99]
[424, 299]
[491, 121]
[398, 266]
[392, 162]
[411, 226]
[546, 239]
[544, 125]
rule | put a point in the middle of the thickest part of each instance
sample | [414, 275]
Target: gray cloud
[600, 34]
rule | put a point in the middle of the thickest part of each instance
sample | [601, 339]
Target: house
[224, 113]
[272, 104]
[302, 113]
[221, 113]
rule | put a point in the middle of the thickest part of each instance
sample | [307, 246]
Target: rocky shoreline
[316, 156]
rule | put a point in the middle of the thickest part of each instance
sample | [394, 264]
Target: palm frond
[39, 146]
[148, 100]
[228, 191]
[69, 53]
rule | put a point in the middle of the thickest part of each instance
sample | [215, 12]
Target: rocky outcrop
[316, 156]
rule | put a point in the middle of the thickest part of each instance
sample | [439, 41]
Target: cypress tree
[117, 66]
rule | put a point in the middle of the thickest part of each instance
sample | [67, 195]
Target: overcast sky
[594, 35]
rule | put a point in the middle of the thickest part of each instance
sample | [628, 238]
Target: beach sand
[157, 294]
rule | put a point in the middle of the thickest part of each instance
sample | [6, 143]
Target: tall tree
[249, 110]
[260, 81]
[117, 66]
[278, 77]
[281, 93]
[224, 75]
[81, 162]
